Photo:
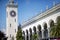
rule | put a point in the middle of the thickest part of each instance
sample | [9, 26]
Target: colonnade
[41, 33]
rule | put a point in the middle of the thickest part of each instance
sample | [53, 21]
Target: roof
[39, 16]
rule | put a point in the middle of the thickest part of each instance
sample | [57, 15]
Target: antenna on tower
[47, 7]
[54, 3]
[41, 11]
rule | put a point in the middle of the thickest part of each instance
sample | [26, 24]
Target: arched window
[35, 33]
[23, 35]
[30, 33]
[27, 36]
[39, 31]
[51, 23]
[45, 31]
[34, 29]
[51, 26]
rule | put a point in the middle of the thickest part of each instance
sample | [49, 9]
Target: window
[27, 34]
[7, 14]
[39, 32]
[30, 33]
[51, 23]
[45, 30]
[15, 30]
[15, 20]
[10, 35]
[34, 28]
[10, 25]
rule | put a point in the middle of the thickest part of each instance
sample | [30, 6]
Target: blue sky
[26, 9]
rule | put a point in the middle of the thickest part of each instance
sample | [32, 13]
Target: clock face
[13, 13]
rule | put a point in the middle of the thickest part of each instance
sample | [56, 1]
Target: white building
[11, 20]
[41, 23]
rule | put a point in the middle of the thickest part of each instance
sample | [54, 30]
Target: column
[48, 31]
[37, 35]
[42, 33]
[29, 35]
[25, 36]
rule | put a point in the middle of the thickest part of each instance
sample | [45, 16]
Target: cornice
[12, 5]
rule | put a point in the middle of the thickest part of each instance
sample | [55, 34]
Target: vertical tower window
[15, 30]
[10, 35]
[10, 25]
[15, 20]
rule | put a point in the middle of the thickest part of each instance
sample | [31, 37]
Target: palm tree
[35, 33]
[55, 30]
[35, 36]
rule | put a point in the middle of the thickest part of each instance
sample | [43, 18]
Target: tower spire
[11, 1]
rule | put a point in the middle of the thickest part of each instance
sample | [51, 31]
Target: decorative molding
[12, 5]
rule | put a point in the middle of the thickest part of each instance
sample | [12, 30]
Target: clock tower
[11, 20]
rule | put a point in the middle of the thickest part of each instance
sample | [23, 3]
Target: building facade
[41, 23]
[11, 20]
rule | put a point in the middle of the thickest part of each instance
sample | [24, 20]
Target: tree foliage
[2, 35]
[55, 30]
[19, 33]
[35, 36]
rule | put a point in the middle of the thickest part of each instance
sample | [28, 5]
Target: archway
[51, 26]
[23, 35]
[39, 32]
[45, 31]
[30, 33]
[34, 29]
[51, 23]
[27, 35]
[35, 33]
